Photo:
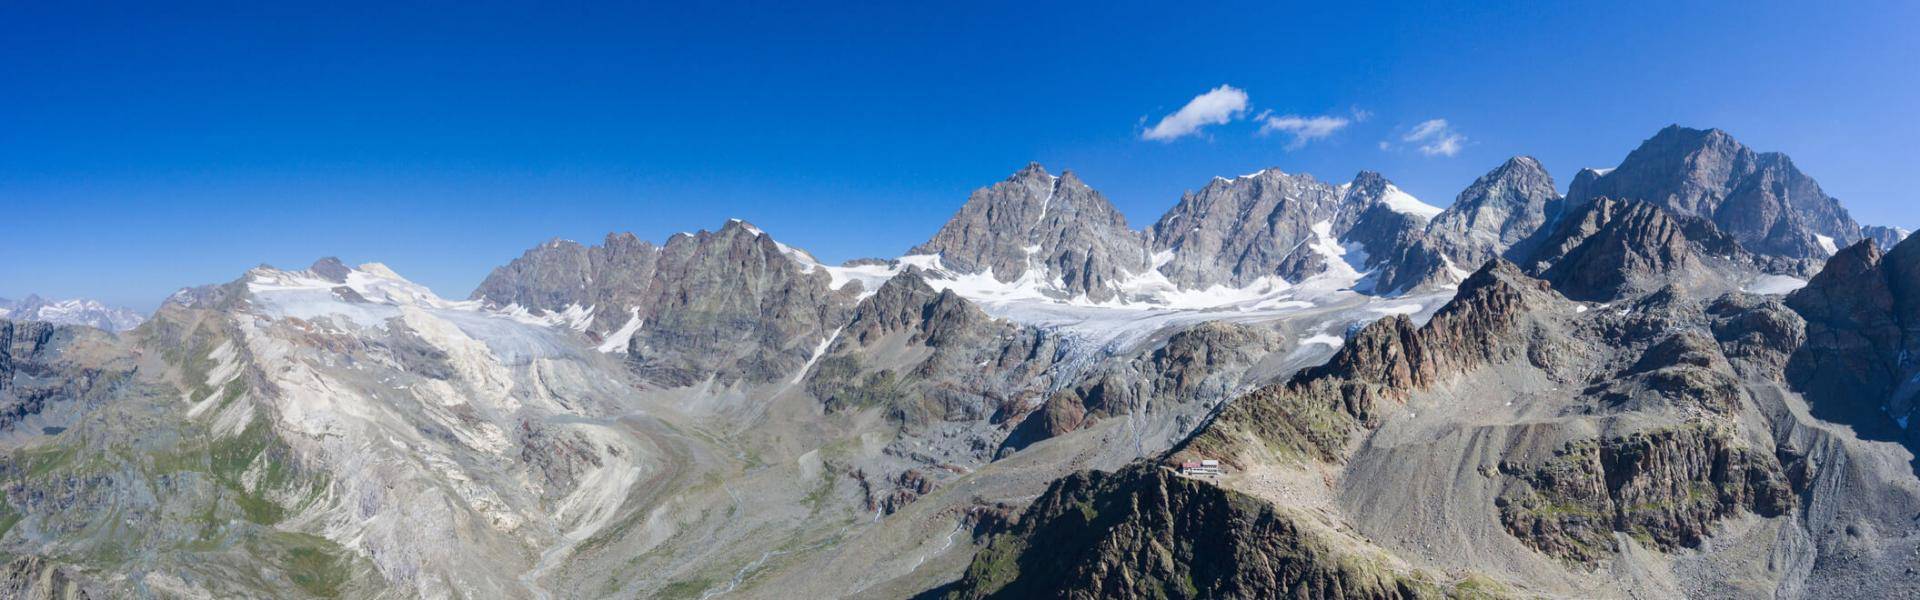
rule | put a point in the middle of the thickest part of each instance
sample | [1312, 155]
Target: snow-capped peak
[1403, 202]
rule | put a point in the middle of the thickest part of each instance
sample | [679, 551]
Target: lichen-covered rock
[1667, 487]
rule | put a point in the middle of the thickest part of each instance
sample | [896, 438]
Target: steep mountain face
[950, 379]
[1608, 247]
[1500, 209]
[1761, 199]
[78, 311]
[562, 276]
[1235, 232]
[1859, 363]
[733, 305]
[1054, 231]
[1379, 364]
[50, 374]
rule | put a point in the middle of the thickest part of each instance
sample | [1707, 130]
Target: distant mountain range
[1690, 376]
[78, 311]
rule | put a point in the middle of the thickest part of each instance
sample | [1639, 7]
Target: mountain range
[77, 311]
[1687, 377]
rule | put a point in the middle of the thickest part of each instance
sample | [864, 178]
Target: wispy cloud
[1303, 129]
[1434, 138]
[1216, 107]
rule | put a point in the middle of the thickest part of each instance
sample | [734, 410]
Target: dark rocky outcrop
[1665, 487]
[36, 578]
[1145, 533]
[42, 364]
[1607, 248]
[1861, 360]
[927, 356]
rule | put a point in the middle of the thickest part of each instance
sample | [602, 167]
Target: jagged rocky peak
[331, 269]
[1500, 209]
[562, 273]
[1235, 232]
[732, 303]
[1383, 230]
[1760, 198]
[620, 275]
[1607, 248]
[1053, 231]
[906, 304]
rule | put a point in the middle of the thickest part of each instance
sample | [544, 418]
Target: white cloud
[1303, 129]
[1216, 107]
[1435, 138]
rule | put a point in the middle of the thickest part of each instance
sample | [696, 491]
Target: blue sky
[145, 148]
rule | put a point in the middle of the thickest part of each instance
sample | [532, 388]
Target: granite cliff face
[1235, 231]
